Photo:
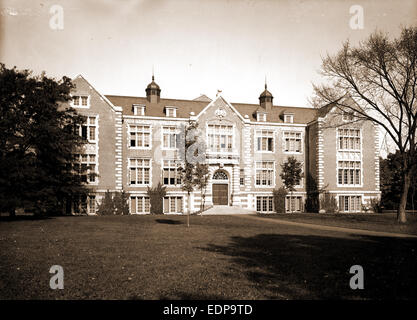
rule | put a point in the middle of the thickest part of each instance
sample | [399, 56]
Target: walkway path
[330, 228]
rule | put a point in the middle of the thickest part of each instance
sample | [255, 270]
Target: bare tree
[380, 76]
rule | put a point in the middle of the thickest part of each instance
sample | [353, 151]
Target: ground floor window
[264, 204]
[84, 204]
[173, 205]
[350, 203]
[293, 204]
[139, 204]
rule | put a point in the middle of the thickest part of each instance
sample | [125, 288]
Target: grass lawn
[385, 222]
[218, 257]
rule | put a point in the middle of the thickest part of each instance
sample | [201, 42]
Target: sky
[194, 47]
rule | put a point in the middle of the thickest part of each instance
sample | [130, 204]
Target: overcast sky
[195, 46]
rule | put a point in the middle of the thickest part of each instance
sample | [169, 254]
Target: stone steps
[224, 210]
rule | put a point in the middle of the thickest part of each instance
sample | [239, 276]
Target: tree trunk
[401, 216]
[189, 209]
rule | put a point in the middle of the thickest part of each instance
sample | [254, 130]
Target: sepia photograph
[206, 156]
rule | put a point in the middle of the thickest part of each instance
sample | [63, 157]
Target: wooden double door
[220, 194]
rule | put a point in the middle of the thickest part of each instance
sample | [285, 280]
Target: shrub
[328, 203]
[279, 199]
[375, 205]
[156, 198]
[106, 206]
[313, 192]
[121, 203]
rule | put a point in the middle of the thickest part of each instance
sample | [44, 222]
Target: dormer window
[261, 116]
[348, 116]
[288, 118]
[138, 109]
[81, 101]
[171, 112]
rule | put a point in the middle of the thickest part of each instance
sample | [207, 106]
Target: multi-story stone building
[132, 144]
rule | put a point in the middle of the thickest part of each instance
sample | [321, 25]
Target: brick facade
[249, 154]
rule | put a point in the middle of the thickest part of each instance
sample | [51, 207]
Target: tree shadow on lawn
[317, 267]
[168, 221]
[24, 218]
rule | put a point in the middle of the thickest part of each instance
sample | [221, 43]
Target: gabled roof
[184, 107]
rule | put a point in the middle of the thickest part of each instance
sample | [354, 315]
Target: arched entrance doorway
[220, 188]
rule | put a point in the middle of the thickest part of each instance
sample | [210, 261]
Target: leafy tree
[37, 142]
[201, 178]
[192, 151]
[107, 205]
[156, 198]
[380, 76]
[391, 176]
[291, 173]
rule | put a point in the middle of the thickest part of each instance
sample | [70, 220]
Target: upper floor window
[139, 171]
[242, 177]
[349, 139]
[265, 173]
[292, 141]
[288, 118]
[169, 137]
[85, 167]
[170, 172]
[348, 116]
[138, 110]
[265, 140]
[88, 130]
[171, 112]
[349, 173]
[80, 101]
[220, 138]
[261, 116]
[140, 136]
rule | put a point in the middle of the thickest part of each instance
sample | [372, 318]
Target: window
[292, 141]
[92, 204]
[170, 112]
[139, 171]
[173, 205]
[349, 172]
[350, 203]
[264, 204]
[88, 130]
[169, 137]
[138, 110]
[84, 204]
[220, 175]
[220, 138]
[349, 139]
[139, 204]
[85, 166]
[288, 118]
[265, 140]
[139, 136]
[348, 116]
[265, 173]
[80, 101]
[261, 116]
[170, 173]
[242, 177]
[293, 204]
